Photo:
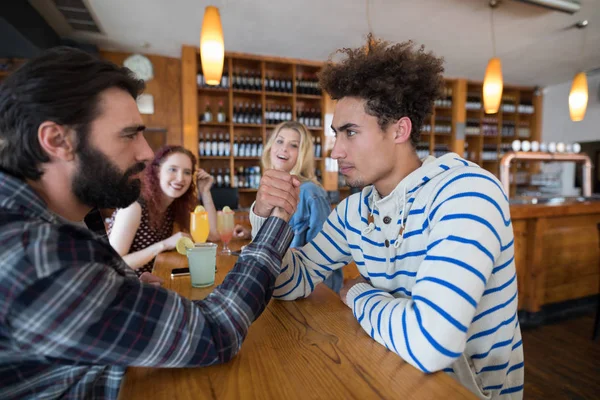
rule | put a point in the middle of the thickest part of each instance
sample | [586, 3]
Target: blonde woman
[290, 149]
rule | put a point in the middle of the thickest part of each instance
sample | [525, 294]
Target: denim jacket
[312, 212]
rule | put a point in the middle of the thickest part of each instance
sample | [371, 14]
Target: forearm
[140, 258]
[100, 317]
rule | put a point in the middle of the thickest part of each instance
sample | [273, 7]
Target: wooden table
[306, 349]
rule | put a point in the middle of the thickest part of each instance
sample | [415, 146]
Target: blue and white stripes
[446, 298]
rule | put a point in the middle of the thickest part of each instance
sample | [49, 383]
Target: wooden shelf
[253, 92]
[4, 74]
[247, 125]
[314, 128]
[279, 94]
[214, 157]
[238, 158]
[214, 90]
[214, 124]
[247, 190]
[308, 96]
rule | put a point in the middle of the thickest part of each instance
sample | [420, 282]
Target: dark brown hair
[61, 85]
[395, 80]
[181, 206]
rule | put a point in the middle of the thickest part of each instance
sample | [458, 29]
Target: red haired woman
[161, 215]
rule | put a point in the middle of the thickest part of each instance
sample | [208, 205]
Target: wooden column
[189, 94]
[459, 116]
[330, 179]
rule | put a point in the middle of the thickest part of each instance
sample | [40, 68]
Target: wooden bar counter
[557, 252]
[306, 349]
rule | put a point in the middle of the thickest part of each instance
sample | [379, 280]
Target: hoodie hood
[404, 194]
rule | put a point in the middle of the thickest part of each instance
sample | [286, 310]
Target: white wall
[558, 127]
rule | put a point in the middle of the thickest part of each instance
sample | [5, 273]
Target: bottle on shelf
[526, 107]
[207, 116]
[223, 84]
[307, 85]
[219, 178]
[220, 145]
[318, 175]
[221, 116]
[201, 144]
[245, 85]
[260, 148]
[226, 178]
[227, 146]
[473, 102]
[235, 147]
[422, 149]
[446, 100]
[242, 148]
[207, 147]
[254, 148]
[214, 151]
[259, 114]
[490, 152]
[441, 149]
[318, 147]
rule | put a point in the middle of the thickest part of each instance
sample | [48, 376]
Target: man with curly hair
[432, 238]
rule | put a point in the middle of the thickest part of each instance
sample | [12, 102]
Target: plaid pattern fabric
[73, 315]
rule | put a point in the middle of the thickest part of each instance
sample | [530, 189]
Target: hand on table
[348, 285]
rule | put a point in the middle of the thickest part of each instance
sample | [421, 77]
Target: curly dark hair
[396, 80]
[181, 206]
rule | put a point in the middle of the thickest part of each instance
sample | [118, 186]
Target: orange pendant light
[492, 86]
[212, 46]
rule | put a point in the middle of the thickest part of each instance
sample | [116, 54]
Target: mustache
[135, 169]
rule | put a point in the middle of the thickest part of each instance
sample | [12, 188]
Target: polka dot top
[146, 235]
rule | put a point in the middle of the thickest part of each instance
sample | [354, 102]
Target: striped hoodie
[438, 253]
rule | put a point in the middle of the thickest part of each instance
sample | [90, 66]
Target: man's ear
[402, 129]
[57, 141]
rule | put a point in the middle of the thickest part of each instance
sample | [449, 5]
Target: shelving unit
[253, 85]
[489, 136]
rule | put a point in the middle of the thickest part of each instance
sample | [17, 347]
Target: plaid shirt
[73, 315]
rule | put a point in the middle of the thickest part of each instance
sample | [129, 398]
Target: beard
[357, 183]
[100, 183]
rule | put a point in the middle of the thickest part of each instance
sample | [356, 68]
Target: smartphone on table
[180, 272]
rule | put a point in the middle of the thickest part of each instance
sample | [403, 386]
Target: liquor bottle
[201, 144]
[221, 145]
[227, 146]
[221, 114]
[207, 114]
[226, 178]
[214, 145]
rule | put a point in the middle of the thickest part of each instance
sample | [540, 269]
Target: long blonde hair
[305, 164]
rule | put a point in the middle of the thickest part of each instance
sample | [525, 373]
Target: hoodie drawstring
[400, 237]
[371, 226]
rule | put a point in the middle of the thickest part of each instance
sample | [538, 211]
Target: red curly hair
[181, 206]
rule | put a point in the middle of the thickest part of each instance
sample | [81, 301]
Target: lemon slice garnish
[183, 244]
[199, 209]
[226, 209]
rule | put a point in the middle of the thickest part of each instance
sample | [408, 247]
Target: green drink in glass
[202, 261]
